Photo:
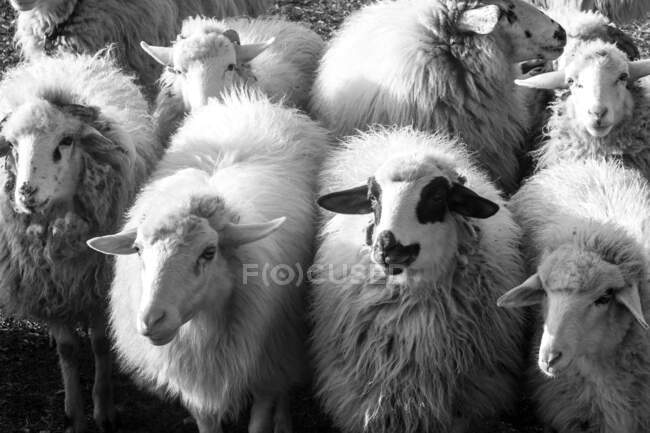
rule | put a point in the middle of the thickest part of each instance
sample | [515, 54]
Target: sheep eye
[623, 77]
[137, 249]
[231, 67]
[606, 298]
[570, 81]
[66, 141]
[208, 253]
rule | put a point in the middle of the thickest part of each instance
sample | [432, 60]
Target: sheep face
[205, 60]
[184, 263]
[525, 31]
[588, 307]
[414, 206]
[44, 154]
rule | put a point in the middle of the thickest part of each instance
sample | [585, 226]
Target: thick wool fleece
[603, 208]
[260, 159]
[416, 355]
[87, 26]
[627, 142]
[46, 270]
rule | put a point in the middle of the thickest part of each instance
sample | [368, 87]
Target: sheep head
[588, 306]
[43, 145]
[205, 60]
[523, 31]
[598, 77]
[414, 204]
[184, 268]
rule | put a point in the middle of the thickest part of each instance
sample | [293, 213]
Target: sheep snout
[552, 359]
[158, 325]
[391, 254]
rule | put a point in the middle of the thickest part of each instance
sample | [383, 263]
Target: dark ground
[31, 394]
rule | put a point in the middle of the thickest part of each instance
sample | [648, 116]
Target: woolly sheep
[86, 26]
[210, 55]
[441, 66]
[603, 113]
[77, 141]
[620, 11]
[406, 333]
[196, 314]
[587, 226]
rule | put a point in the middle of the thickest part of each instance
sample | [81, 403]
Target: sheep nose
[560, 34]
[392, 254]
[598, 112]
[150, 320]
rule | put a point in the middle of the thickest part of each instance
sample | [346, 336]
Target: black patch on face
[432, 206]
[528, 34]
[511, 16]
[374, 195]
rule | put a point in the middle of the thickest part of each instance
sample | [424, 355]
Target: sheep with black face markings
[587, 228]
[193, 314]
[407, 336]
[87, 26]
[440, 66]
[77, 142]
[210, 56]
[604, 112]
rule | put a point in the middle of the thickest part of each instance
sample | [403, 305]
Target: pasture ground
[31, 393]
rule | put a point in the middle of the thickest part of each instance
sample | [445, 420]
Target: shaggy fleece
[414, 355]
[46, 270]
[260, 159]
[603, 208]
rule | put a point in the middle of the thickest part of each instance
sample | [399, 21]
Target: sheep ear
[234, 235]
[482, 20]
[246, 53]
[629, 296]
[549, 80]
[466, 202]
[117, 244]
[162, 55]
[639, 69]
[353, 201]
[233, 36]
[530, 292]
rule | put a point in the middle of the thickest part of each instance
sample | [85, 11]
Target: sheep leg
[207, 423]
[261, 414]
[67, 346]
[103, 407]
[282, 415]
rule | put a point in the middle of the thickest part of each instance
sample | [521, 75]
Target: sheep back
[46, 270]
[261, 158]
[410, 359]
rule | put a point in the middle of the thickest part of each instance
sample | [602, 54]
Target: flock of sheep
[469, 158]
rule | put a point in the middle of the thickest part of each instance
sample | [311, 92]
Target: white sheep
[440, 66]
[76, 142]
[205, 311]
[406, 335]
[587, 226]
[209, 56]
[620, 11]
[87, 26]
[604, 113]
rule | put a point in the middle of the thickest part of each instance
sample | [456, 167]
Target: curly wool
[46, 271]
[260, 158]
[627, 142]
[411, 357]
[87, 26]
[284, 71]
[604, 208]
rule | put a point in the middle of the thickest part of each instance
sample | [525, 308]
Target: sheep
[76, 142]
[407, 336]
[603, 114]
[620, 11]
[440, 66]
[200, 313]
[86, 26]
[277, 56]
[587, 225]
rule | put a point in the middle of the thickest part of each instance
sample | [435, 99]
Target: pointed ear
[549, 80]
[629, 296]
[530, 292]
[239, 234]
[117, 244]
[162, 55]
[246, 53]
[639, 69]
[482, 20]
[467, 203]
[353, 201]
[233, 36]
